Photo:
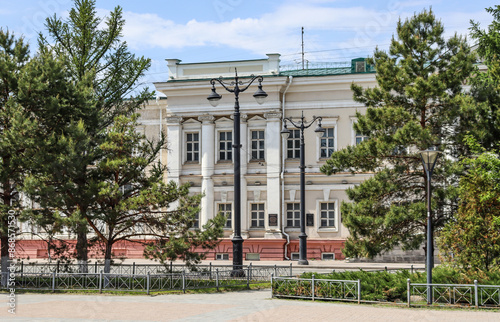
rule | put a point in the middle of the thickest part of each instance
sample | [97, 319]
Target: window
[196, 224]
[192, 147]
[327, 144]
[327, 256]
[253, 257]
[358, 138]
[225, 210]
[293, 214]
[293, 145]
[257, 144]
[257, 215]
[295, 256]
[327, 215]
[225, 146]
[222, 256]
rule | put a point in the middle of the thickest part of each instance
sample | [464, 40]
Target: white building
[200, 139]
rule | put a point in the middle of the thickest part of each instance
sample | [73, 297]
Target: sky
[222, 30]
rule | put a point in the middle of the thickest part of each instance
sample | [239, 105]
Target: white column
[273, 140]
[174, 148]
[244, 169]
[207, 167]
[174, 157]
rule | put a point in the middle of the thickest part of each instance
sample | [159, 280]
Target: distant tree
[415, 106]
[97, 55]
[472, 239]
[132, 199]
[34, 97]
[14, 121]
[482, 113]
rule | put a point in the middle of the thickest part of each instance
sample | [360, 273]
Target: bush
[392, 286]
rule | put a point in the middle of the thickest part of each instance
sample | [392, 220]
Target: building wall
[274, 181]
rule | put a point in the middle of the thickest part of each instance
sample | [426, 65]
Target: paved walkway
[229, 306]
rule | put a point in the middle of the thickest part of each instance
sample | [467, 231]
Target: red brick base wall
[268, 249]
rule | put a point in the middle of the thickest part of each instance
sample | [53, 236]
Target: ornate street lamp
[429, 158]
[214, 98]
[285, 133]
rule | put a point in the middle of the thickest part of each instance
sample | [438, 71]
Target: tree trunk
[82, 248]
[107, 257]
[4, 240]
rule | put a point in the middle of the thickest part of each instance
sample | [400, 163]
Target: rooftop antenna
[302, 47]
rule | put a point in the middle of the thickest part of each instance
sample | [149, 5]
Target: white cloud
[272, 32]
[327, 27]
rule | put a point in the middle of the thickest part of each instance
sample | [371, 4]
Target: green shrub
[392, 286]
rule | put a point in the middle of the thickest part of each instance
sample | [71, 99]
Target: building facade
[200, 150]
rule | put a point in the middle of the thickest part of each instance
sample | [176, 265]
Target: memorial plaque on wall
[309, 219]
[273, 219]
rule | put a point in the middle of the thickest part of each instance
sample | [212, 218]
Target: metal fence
[321, 289]
[454, 294]
[143, 269]
[212, 277]
[350, 290]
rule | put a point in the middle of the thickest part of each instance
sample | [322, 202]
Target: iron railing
[321, 289]
[454, 294]
[211, 277]
[143, 269]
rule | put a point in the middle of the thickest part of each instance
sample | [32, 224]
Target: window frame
[336, 213]
[218, 205]
[186, 142]
[327, 123]
[333, 130]
[218, 145]
[258, 149]
[293, 215]
[263, 219]
[294, 150]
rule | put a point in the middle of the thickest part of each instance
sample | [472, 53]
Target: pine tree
[133, 200]
[482, 112]
[415, 106]
[14, 55]
[36, 99]
[96, 54]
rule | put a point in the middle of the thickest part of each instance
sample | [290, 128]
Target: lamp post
[285, 134]
[429, 158]
[214, 98]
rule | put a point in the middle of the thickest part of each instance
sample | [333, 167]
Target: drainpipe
[161, 120]
[282, 177]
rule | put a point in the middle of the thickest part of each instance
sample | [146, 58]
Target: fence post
[133, 268]
[272, 291]
[95, 269]
[476, 295]
[250, 272]
[148, 282]
[408, 291]
[312, 287]
[217, 278]
[100, 281]
[210, 270]
[248, 275]
[22, 269]
[57, 267]
[359, 291]
[291, 271]
[183, 280]
[275, 269]
[53, 282]
[171, 267]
